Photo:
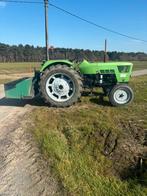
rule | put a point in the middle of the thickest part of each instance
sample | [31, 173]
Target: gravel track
[139, 73]
[22, 170]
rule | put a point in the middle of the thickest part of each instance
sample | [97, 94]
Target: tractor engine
[98, 80]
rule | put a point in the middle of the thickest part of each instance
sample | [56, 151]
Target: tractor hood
[121, 70]
[109, 67]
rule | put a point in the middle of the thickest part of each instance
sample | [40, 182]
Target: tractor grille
[111, 71]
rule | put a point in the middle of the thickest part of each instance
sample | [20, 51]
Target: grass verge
[91, 145]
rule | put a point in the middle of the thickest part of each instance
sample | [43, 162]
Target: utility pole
[105, 52]
[46, 29]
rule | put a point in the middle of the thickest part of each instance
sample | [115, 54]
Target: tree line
[28, 53]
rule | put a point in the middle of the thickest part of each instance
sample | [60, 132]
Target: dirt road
[139, 73]
[22, 171]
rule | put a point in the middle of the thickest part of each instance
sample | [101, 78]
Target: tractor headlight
[123, 75]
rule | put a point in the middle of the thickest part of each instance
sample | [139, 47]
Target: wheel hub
[60, 87]
[121, 96]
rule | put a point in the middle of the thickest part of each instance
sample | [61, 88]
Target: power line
[80, 18]
[96, 25]
[27, 2]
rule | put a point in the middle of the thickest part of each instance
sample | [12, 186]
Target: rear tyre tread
[78, 85]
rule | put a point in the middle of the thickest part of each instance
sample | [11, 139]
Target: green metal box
[18, 89]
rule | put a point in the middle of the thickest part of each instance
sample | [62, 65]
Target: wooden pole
[105, 52]
[46, 29]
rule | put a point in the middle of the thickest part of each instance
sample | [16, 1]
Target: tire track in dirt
[22, 170]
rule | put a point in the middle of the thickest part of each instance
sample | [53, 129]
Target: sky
[24, 24]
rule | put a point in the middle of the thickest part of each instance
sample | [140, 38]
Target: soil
[14, 76]
[22, 169]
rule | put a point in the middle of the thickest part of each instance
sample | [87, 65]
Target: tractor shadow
[97, 98]
[22, 102]
[100, 101]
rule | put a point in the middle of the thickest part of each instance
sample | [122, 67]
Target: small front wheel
[121, 95]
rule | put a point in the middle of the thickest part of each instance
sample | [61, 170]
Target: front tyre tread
[125, 88]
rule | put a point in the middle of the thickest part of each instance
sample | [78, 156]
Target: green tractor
[60, 82]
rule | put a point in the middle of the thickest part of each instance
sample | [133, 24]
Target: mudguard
[49, 63]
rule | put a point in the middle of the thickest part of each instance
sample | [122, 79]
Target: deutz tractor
[60, 82]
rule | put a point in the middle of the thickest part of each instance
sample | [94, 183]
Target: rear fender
[50, 63]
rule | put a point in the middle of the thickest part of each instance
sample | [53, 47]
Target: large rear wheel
[60, 86]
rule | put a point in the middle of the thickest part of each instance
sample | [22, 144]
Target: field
[138, 65]
[95, 149]
[10, 71]
[28, 66]
[9, 68]
[13, 71]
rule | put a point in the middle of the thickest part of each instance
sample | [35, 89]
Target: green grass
[72, 139]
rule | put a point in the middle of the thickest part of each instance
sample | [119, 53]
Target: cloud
[3, 4]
